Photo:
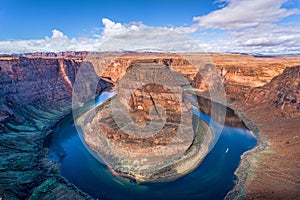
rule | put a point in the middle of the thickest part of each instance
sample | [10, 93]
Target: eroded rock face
[146, 132]
[153, 120]
[34, 94]
[282, 93]
[118, 64]
[273, 109]
[34, 87]
[239, 73]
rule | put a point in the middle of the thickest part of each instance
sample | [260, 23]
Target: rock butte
[264, 92]
[147, 132]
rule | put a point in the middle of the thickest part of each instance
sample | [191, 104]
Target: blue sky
[33, 19]
[253, 26]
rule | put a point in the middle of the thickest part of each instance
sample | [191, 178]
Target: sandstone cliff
[273, 171]
[239, 73]
[281, 94]
[34, 94]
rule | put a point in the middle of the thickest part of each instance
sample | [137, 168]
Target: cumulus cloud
[150, 39]
[269, 35]
[251, 26]
[239, 14]
[115, 36]
[139, 37]
[268, 39]
[58, 35]
[57, 42]
[112, 29]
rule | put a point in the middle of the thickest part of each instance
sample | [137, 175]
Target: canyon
[36, 92]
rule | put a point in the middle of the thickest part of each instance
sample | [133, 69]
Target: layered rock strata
[147, 132]
[34, 94]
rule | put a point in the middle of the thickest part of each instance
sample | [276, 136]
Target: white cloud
[251, 26]
[150, 39]
[112, 29]
[269, 35]
[184, 30]
[115, 36]
[239, 14]
[58, 35]
[139, 37]
[268, 39]
[57, 42]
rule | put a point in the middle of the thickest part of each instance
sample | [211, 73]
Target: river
[212, 179]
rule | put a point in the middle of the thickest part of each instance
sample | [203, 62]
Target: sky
[244, 26]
